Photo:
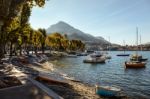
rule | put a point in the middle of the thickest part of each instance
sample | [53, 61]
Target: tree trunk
[20, 47]
[1, 40]
[43, 49]
[11, 48]
[32, 49]
[35, 50]
[1, 51]
[27, 49]
[5, 52]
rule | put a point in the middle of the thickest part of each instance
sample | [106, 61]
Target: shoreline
[33, 66]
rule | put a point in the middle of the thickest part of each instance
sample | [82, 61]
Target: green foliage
[14, 18]
[39, 3]
[25, 14]
[42, 38]
[59, 42]
[16, 30]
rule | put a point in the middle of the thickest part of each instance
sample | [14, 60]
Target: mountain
[73, 33]
[148, 43]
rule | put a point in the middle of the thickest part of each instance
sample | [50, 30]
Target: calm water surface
[135, 82]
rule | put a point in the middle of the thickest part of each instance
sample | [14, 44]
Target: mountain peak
[73, 33]
[61, 22]
[62, 27]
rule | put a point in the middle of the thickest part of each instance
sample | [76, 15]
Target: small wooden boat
[135, 64]
[108, 91]
[47, 79]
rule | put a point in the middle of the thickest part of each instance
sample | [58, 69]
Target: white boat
[96, 54]
[107, 57]
[96, 57]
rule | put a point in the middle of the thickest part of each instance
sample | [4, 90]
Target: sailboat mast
[109, 43]
[124, 46]
[140, 42]
[137, 41]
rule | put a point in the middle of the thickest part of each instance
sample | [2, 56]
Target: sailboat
[135, 63]
[123, 54]
[139, 57]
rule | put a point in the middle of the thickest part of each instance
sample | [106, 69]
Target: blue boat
[107, 91]
[123, 55]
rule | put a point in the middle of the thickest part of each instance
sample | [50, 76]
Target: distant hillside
[74, 33]
[148, 43]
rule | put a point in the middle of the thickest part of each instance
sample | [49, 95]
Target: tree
[43, 38]
[10, 10]
[50, 41]
[59, 42]
[76, 45]
[36, 40]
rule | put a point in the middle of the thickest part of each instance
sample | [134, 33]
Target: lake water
[134, 82]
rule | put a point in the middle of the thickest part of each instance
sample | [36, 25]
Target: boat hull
[108, 57]
[123, 55]
[107, 92]
[141, 60]
[94, 61]
[135, 65]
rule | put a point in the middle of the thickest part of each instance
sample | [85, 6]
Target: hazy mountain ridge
[148, 43]
[74, 33]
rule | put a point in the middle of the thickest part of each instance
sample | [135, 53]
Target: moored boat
[135, 64]
[96, 57]
[108, 57]
[138, 58]
[49, 79]
[94, 60]
[135, 61]
[96, 54]
[123, 55]
[108, 91]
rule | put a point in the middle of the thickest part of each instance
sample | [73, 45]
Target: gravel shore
[35, 65]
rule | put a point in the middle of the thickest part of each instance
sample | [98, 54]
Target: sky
[116, 19]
